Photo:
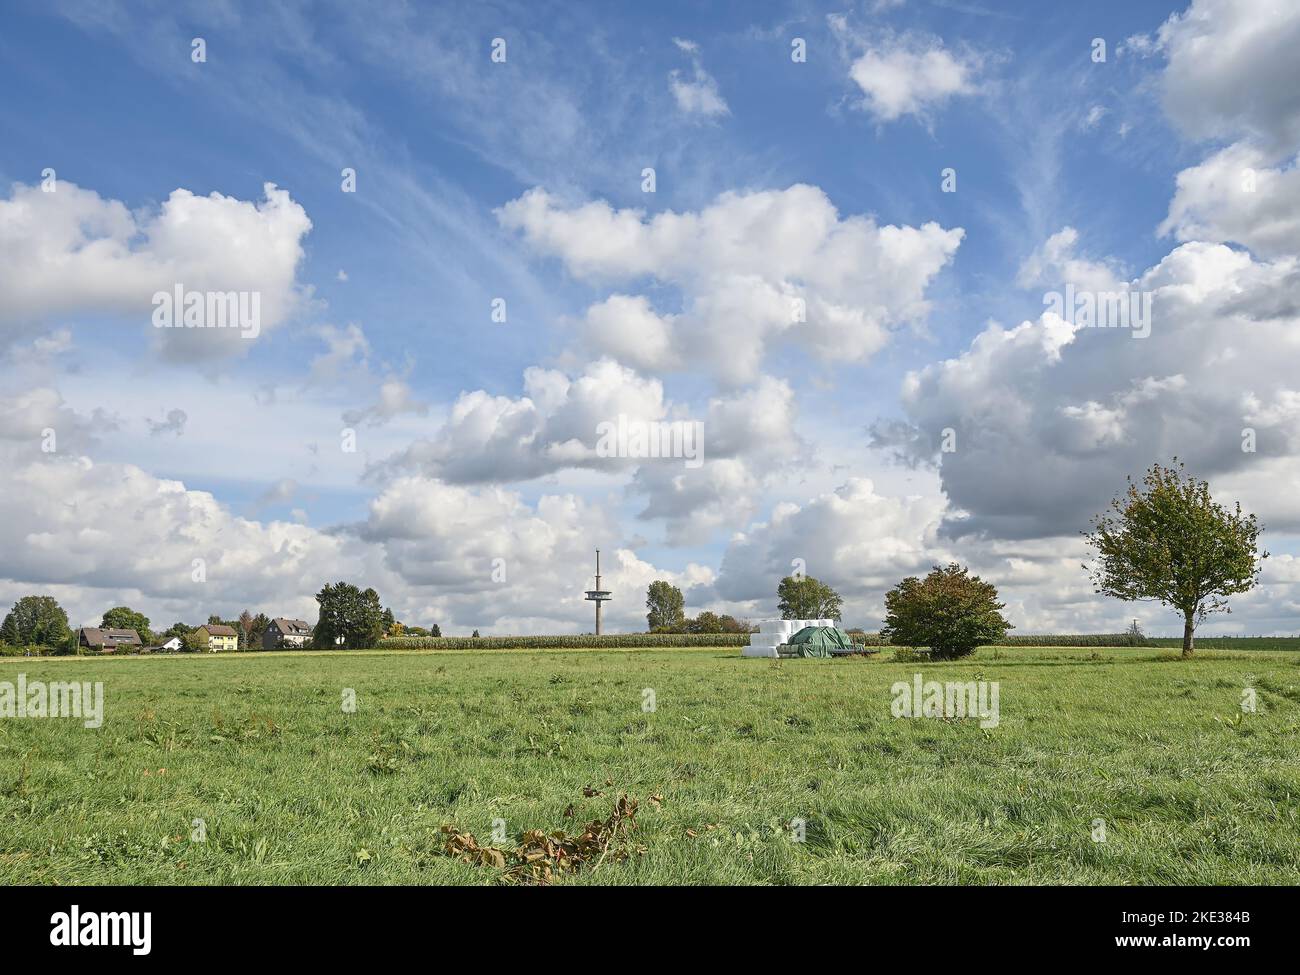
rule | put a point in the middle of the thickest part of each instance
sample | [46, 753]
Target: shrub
[949, 611]
[13, 650]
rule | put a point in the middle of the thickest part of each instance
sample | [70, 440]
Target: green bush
[950, 611]
[12, 650]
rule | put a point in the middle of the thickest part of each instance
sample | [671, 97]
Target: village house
[170, 645]
[217, 637]
[285, 634]
[107, 639]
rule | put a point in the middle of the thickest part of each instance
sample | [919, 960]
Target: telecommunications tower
[597, 595]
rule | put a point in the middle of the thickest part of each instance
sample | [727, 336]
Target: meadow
[291, 788]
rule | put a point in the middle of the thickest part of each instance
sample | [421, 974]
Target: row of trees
[801, 597]
[666, 613]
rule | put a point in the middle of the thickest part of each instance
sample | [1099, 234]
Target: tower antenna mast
[598, 595]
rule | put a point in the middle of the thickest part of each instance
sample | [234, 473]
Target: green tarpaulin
[820, 641]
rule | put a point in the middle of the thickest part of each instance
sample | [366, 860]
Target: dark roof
[101, 636]
[289, 626]
[218, 629]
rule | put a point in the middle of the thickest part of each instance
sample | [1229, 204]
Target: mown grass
[294, 790]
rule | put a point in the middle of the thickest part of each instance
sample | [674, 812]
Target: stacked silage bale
[773, 636]
[772, 633]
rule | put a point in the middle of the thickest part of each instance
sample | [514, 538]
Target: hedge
[614, 641]
[11, 650]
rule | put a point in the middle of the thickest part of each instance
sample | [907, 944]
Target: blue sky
[393, 283]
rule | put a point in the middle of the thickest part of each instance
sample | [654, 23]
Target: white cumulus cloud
[752, 269]
[912, 75]
[71, 251]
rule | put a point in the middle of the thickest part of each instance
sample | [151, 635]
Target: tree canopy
[949, 611]
[806, 598]
[1167, 540]
[36, 621]
[350, 613]
[125, 618]
[258, 627]
[665, 608]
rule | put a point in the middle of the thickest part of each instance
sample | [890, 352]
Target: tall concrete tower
[597, 595]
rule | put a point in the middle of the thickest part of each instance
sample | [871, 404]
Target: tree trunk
[1189, 642]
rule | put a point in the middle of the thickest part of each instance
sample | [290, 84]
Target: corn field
[614, 641]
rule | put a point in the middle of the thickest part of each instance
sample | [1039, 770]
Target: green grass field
[293, 790]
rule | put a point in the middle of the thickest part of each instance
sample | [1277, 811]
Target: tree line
[1165, 539]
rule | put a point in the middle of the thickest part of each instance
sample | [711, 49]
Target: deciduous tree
[1167, 540]
[665, 608]
[37, 621]
[350, 613]
[125, 618]
[705, 622]
[806, 598]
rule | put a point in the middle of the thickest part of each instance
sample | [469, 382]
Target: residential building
[217, 637]
[286, 634]
[107, 639]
